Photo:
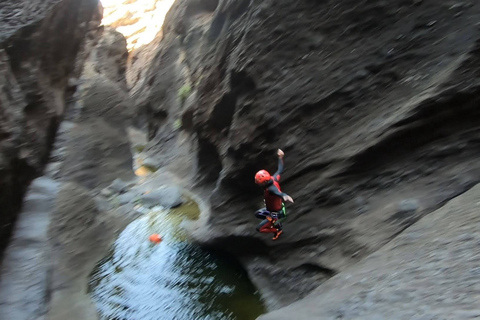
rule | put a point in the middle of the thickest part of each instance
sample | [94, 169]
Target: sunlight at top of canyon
[138, 20]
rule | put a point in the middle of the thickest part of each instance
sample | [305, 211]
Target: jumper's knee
[261, 213]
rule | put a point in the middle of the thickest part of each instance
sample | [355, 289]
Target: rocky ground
[430, 271]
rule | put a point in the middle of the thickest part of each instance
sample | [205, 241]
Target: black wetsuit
[273, 203]
[273, 194]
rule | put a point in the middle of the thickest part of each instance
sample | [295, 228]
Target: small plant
[184, 92]
[115, 202]
[177, 124]
[150, 168]
[137, 201]
[139, 148]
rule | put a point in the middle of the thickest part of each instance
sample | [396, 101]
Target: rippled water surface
[172, 280]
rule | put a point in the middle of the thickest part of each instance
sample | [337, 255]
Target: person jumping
[274, 212]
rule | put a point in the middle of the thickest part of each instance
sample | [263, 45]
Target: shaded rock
[96, 148]
[39, 46]
[26, 264]
[140, 210]
[58, 154]
[81, 234]
[44, 61]
[111, 56]
[167, 196]
[329, 197]
[102, 204]
[414, 269]
[151, 163]
[128, 197]
[408, 206]
[128, 211]
[118, 186]
[107, 192]
[91, 149]
[361, 204]
[53, 170]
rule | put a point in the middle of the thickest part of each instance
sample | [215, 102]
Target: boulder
[166, 196]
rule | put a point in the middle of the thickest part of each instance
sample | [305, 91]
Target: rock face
[93, 152]
[66, 225]
[373, 102]
[98, 150]
[39, 44]
[421, 274]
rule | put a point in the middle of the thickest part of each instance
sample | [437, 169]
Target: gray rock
[24, 272]
[128, 197]
[58, 155]
[361, 205]
[53, 170]
[408, 274]
[64, 128]
[102, 204]
[408, 206]
[118, 186]
[31, 90]
[151, 162]
[140, 210]
[107, 193]
[459, 6]
[166, 196]
[128, 210]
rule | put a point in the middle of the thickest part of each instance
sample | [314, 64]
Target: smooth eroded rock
[166, 196]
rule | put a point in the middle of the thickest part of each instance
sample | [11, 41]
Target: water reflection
[171, 280]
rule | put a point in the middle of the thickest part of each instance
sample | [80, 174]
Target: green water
[172, 280]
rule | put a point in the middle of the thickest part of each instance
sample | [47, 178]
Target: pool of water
[171, 280]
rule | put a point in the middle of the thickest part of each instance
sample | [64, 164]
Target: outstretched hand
[288, 198]
[280, 153]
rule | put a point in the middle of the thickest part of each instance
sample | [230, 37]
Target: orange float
[155, 238]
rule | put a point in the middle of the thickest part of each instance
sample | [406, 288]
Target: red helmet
[262, 176]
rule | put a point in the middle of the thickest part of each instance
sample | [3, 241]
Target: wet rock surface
[430, 271]
[373, 103]
[80, 233]
[26, 264]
